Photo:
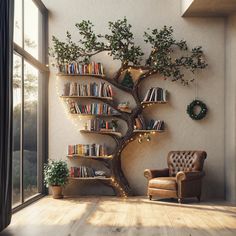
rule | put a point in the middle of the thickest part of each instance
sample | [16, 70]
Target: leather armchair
[181, 179]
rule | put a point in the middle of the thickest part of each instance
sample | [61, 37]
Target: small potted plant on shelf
[114, 124]
[56, 174]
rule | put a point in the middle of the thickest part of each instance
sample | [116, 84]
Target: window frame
[42, 110]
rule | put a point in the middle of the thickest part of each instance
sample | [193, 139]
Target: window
[29, 100]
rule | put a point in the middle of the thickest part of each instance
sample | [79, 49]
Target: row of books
[140, 122]
[92, 89]
[82, 69]
[82, 171]
[94, 150]
[152, 125]
[91, 109]
[100, 125]
[156, 125]
[155, 94]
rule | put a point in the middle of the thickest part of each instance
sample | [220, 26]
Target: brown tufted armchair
[181, 179]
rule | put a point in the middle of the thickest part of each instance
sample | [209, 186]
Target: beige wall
[182, 132]
[230, 109]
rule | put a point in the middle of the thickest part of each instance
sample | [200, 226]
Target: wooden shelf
[94, 115]
[125, 110]
[91, 178]
[93, 97]
[89, 157]
[153, 102]
[148, 131]
[80, 75]
[102, 132]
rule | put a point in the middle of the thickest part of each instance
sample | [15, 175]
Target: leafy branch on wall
[168, 56]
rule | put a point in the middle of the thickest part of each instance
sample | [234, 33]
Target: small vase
[57, 192]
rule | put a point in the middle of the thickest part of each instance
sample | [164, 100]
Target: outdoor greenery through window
[29, 73]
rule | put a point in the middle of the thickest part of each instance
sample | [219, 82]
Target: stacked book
[155, 94]
[99, 125]
[82, 171]
[156, 125]
[152, 125]
[82, 69]
[94, 150]
[140, 123]
[91, 109]
[92, 89]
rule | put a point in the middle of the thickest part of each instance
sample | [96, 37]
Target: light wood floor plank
[111, 216]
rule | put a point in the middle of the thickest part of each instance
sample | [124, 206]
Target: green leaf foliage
[56, 173]
[168, 57]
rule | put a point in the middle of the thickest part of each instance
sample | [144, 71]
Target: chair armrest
[150, 174]
[191, 175]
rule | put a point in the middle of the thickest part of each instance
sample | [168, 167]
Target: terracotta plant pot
[57, 192]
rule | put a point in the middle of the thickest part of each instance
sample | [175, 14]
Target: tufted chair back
[185, 161]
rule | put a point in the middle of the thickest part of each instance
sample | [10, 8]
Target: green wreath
[192, 112]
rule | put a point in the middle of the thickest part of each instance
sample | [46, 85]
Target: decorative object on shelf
[168, 58]
[124, 106]
[114, 124]
[56, 175]
[191, 110]
[127, 80]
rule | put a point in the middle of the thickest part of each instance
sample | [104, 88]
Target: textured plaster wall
[182, 132]
[230, 110]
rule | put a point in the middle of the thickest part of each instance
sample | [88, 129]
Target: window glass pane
[18, 22]
[30, 130]
[17, 91]
[31, 25]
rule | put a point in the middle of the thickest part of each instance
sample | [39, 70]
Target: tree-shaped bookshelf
[120, 45]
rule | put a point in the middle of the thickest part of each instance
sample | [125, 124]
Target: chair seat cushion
[168, 183]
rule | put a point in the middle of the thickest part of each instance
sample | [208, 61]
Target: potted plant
[56, 175]
[114, 124]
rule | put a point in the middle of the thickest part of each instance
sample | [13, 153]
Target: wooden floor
[113, 216]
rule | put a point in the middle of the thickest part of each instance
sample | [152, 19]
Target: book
[155, 94]
[91, 89]
[82, 69]
[93, 150]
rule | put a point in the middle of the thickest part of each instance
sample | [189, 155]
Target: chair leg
[199, 198]
[150, 197]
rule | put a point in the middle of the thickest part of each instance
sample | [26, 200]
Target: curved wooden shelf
[89, 157]
[95, 115]
[80, 75]
[148, 131]
[118, 182]
[149, 103]
[92, 97]
[91, 178]
[101, 132]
